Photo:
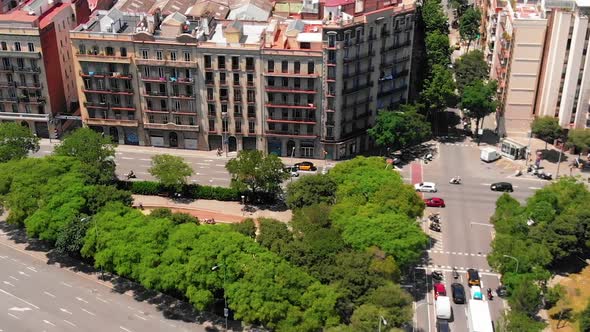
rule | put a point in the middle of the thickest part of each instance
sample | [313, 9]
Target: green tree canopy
[438, 50]
[479, 99]
[584, 320]
[469, 24]
[95, 151]
[16, 141]
[439, 89]
[253, 171]
[546, 128]
[579, 138]
[400, 129]
[171, 171]
[470, 68]
[434, 17]
[310, 190]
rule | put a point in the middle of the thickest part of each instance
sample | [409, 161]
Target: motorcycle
[130, 175]
[434, 217]
[455, 180]
[544, 176]
[455, 273]
[210, 221]
[437, 275]
[435, 227]
[490, 296]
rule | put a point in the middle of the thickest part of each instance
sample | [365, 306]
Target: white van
[443, 307]
[489, 154]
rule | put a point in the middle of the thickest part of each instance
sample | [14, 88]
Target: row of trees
[546, 235]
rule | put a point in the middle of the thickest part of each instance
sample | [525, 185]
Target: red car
[434, 202]
[439, 289]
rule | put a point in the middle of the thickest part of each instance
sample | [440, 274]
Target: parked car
[502, 186]
[473, 278]
[502, 291]
[293, 170]
[458, 292]
[434, 202]
[442, 325]
[306, 166]
[439, 289]
[476, 293]
[425, 187]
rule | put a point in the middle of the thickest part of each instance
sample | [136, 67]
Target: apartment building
[235, 75]
[37, 80]
[516, 41]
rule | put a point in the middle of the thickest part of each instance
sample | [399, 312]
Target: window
[146, 71]
[238, 124]
[251, 111]
[4, 48]
[310, 67]
[207, 61]
[163, 105]
[271, 81]
[222, 78]
[159, 55]
[191, 120]
[211, 124]
[145, 54]
[31, 47]
[297, 67]
[237, 95]
[109, 51]
[251, 97]
[249, 63]
[173, 56]
[225, 126]
[177, 105]
[237, 109]
[223, 109]
[235, 62]
[297, 83]
[177, 119]
[187, 57]
[17, 46]
[210, 94]
[271, 66]
[305, 45]
[284, 66]
[123, 51]
[223, 94]
[236, 79]
[285, 82]
[250, 79]
[211, 109]
[20, 63]
[220, 62]
[209, 77]
[251, 127]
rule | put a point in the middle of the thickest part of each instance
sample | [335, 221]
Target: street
[36, 296]
[466, 232]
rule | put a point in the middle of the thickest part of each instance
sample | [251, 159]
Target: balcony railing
[20, 54]
[171, 126]
[290, 105]
[108, 74]
[287, 89]
[111, 122]
[89, 104]
[182, 96]
[27, 69]
[24, 116]
[154, 79]
[118, 91]
[157, 94]
[293, 120]
[357, 88]
[294, 74]
[391, 90]
[24, 85]
[123, 108]
[280, 133]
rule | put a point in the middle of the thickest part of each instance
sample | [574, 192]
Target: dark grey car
[502, 186]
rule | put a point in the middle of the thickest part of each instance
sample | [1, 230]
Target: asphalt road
[466, 232]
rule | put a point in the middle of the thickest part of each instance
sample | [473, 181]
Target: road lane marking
[88, 312]
[127, 158]
[18, 298]
[68, 322]
[13, 278]
[20, 309]
[13, 316]
[66, 284]
[534, 188]
[145, 159]
[14, 259]
[31, 268]
[220, 165]
[209, 160]
[138, 316]
[102, 300]
[124, 329]
[203, 164]
[23, 274]
[49, 294]
[65, 310]
[48, 322]
[81, 299]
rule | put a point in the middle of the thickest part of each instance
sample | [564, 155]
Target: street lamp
[225, 142]
[514, 259]
[225, 309]
[292, 154]
[382, 320]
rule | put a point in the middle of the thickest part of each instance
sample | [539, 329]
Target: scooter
[544, 176]
[437, 275]
[435, 227]
[434, 217]
[131, 175]
[490, 296]
[455, 273]
[455, 180]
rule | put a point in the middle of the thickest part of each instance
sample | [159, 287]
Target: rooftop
[36, 13]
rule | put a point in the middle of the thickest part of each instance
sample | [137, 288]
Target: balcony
[121, 91]
[182, 80]
[108, 91]
[27, 69]
[156, 94]
[290, 74]
[359, 57]
[4, 99]
[96, 105]
[164, 62]
[391, 91]
[111, 122]
[24, 116]
[181, 96]
[357, 88]
[310, 121]
[128, 108]
[286, 89]
[25, 85]
[157, 111]
[295, 106]
[280, 133]
[108, 74]
[171, 126]
[95, 56]
[20, 54]
[399, 45]
[154, 79]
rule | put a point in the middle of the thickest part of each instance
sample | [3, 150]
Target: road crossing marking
[13, 316]
[127, 158]
[455, 253]
[68, 322]
[88, 312]
[49, 294]
[124, 329]
[48, 322]
[534, 188]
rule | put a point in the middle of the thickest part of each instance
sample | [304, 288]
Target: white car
[425, 187]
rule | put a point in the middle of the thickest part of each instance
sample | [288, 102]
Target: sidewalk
[228, 212]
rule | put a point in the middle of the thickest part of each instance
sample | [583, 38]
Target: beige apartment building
[297, 79]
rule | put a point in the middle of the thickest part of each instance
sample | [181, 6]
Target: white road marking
[138, 316]
[68, 322]
[88, 312]
[204, 164]
[81, 299]
[18, 298]
[13, 278]
[49, 294]
[130, 307]
[31, 268]
[534, 188]
[124, 329]
[209, 160]
[486, 184]
[13, 316]
[145, 159]
[65, 310]
[20, 309]
[48, 322]
[127, 158]
[102, 300]
[23, 274]
[220, 165]
[65, 284]
[14, 259]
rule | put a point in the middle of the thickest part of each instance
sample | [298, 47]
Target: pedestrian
[140, 206]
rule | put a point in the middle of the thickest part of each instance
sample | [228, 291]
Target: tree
[525, 297]
[459, 5]
[16, 141]
[579, 138]
[470, 68]
[274, 235]
[247, 227]
[438, 50]
[96, 152]
[71, 239]
[253, 171]
[310, 190]
[479, 99]
[400, 129]
[395, 300]
[171, 171]
[439, 89]
[517, 321]
[434, 17]
[546, 128]
[469, 24]
[584, 320]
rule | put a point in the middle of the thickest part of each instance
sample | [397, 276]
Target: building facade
[203, 75]
[37, 80]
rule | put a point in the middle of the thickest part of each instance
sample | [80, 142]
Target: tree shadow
[489, 137]
[552, 155]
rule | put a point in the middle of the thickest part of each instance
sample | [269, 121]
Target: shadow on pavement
[552, 155]
[172, 308]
